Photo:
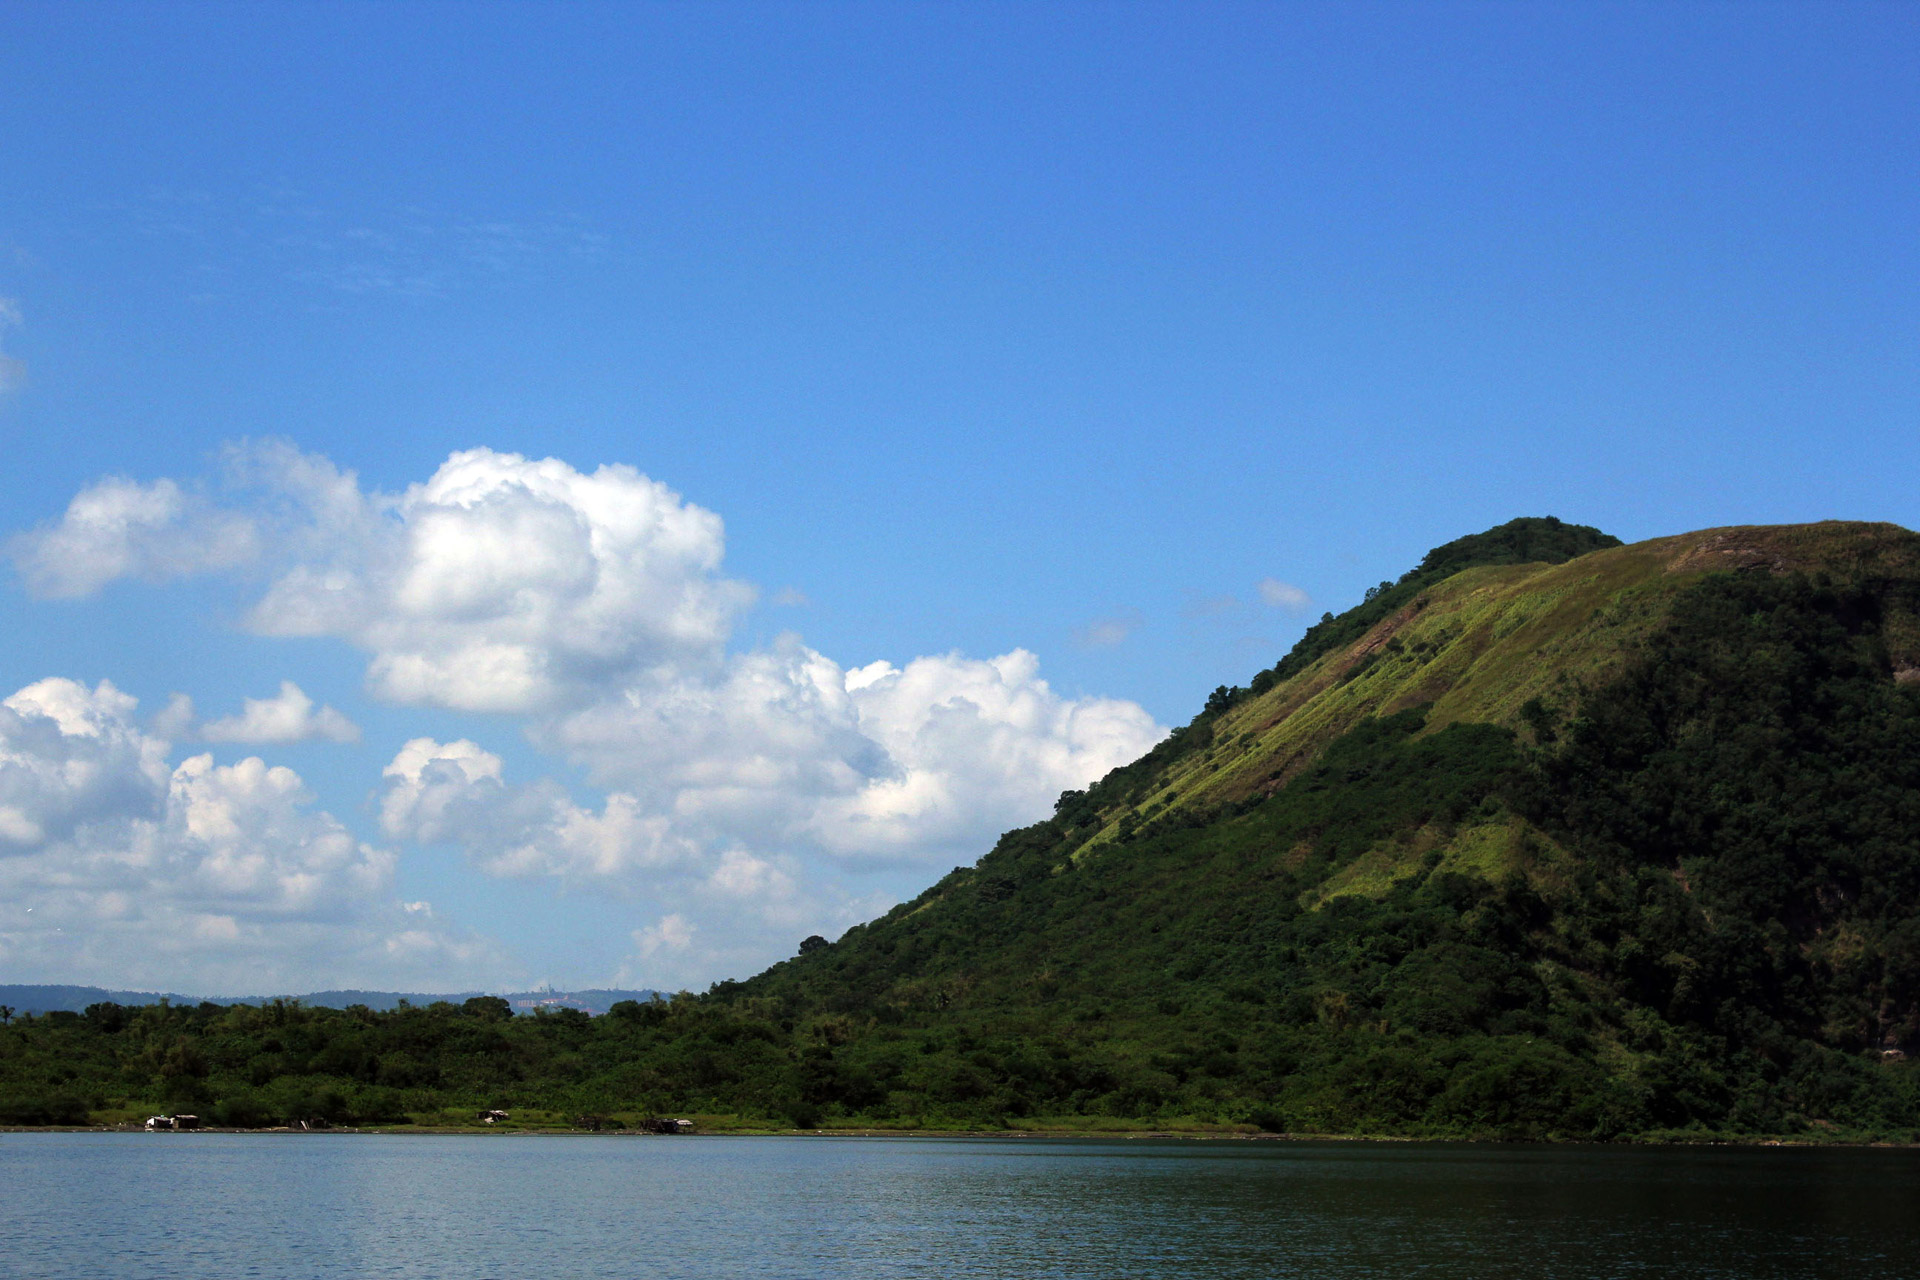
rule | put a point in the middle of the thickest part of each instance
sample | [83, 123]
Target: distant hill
[37, 999]
[25, 999]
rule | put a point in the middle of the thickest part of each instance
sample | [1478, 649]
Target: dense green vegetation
[1679, 900]
[1691, 908]
[251, 1066]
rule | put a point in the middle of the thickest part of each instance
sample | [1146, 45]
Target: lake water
[334, 1206]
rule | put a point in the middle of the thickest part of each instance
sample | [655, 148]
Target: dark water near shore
[212, 1206]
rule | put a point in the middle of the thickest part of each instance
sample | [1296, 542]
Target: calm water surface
[212, 1206]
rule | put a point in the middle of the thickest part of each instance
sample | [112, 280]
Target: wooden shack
[665, 1124]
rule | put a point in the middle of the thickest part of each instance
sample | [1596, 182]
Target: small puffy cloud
[1231, 611]
[672, 932]
[1282, 595]
[257, 845]
[290, 716]
[432, 787]
[117, 866]
[745, 875]
[120, 528]
[1105, 633]
[790, 598]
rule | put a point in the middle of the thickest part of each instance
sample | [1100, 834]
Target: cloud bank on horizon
[116, 862]
[741, 790]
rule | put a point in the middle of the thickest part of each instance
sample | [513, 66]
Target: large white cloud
[499, 584]
[504, 584]
[592, 606]
[116, 867]
[747, 803]
[921, 763]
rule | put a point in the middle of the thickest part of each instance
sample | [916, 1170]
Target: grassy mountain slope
[1480, 643]
[1622, 843]
[1553, 837]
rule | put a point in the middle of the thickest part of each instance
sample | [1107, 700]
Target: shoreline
[1012, 1135]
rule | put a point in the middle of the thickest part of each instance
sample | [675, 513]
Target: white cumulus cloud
[456, 793]
[289, 716]
[752, 788]
[505, 584]
[672, 932]
[501, 583]
[120, 528]
[921, 763]
[116, 866]
[976, 747]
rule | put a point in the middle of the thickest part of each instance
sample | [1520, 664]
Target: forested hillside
[1553, 837]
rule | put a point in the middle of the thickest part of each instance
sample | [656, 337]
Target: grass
[1482, 644]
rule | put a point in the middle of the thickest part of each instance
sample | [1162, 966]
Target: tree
[491, 1008]
[1220, 700]
[810, 945]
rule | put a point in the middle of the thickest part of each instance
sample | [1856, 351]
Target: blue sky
[979, 329]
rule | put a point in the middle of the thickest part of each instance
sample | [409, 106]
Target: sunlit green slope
[1481, 643]
[1622, 842]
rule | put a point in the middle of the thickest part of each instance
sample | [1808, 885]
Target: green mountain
[1553, 837]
